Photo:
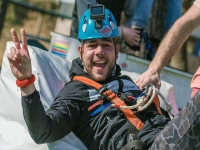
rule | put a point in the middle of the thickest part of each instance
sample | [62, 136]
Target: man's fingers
[142, 82]
[24, 48]
[15, 39]
[142, 85]
[138, 81]
[24, 42]
[12, 50]
[157, 85]
[139, 84]
[137, 31]
[23, 57]
[12, 55]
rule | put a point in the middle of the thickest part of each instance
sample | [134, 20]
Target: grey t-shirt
[197, 3]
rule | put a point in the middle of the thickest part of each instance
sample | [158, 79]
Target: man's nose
[99, 50]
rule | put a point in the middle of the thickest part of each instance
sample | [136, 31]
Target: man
[171, 43]
[93, 112]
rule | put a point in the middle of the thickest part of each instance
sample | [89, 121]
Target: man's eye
[91, 45]
[106, 45]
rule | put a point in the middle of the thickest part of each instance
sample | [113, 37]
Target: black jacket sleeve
[52, 125]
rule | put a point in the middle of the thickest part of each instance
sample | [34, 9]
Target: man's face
[99, 57]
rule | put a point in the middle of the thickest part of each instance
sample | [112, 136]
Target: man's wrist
[28, 90]
[155, 68]
[25, 82]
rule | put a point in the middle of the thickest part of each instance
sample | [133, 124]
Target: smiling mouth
[100, 64]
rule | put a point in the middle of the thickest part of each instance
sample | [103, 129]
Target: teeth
[100, 62]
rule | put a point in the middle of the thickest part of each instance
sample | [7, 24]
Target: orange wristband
[25, 82]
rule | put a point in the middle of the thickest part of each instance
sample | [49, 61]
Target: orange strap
[157, 103]
[116, 100]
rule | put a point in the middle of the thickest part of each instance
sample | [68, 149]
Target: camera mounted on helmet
[97, 12]
[97, 22]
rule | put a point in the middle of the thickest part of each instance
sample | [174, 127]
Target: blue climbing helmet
[97, 22]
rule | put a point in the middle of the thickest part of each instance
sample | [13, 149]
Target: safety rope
[146, 98]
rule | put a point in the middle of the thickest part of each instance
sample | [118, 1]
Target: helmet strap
[114, 67]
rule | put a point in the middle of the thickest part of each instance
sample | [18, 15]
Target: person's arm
[175, 38]
[20, 62]
[171, 43]
[43, 126]
[55, 123]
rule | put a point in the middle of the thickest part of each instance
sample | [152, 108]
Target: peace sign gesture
[20, 62]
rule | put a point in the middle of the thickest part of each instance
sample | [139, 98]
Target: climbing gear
[146, 98]
[97, 22]
[114, 98]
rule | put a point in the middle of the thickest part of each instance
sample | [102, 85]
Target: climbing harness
[114, 98]
[141, 102]
[145, 99]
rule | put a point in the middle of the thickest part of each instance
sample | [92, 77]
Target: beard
[102, 75]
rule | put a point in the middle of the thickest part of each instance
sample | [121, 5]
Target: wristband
[25, 82]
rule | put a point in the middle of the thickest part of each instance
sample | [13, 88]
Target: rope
[143, 101]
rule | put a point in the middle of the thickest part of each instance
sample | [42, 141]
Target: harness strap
[115, 99]
[157, 103]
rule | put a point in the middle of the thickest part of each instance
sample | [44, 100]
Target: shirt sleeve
[52, 125]
[197, 3]
[195, 83]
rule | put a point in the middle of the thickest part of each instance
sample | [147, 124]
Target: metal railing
[28, 5]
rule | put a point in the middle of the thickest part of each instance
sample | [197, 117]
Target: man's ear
[117, 50]
[80, 51]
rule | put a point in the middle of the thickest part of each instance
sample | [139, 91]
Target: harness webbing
[157, 103]
[115, 99]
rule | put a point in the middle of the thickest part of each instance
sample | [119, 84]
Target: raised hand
[19, 59]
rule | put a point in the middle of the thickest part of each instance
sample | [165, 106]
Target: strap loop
[103, 89]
